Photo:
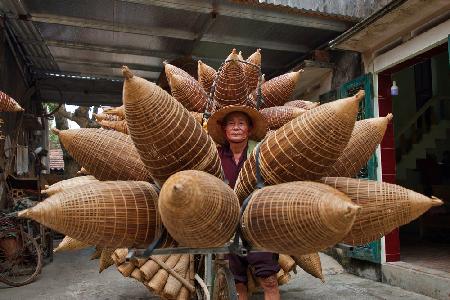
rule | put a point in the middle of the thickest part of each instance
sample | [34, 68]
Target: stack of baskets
[300, 211]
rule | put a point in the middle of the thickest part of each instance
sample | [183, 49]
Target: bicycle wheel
[20, 260]
[224, 287]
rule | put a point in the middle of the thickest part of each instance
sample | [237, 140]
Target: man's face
[236, 127]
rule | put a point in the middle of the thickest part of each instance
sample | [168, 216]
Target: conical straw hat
[109, 214]
[311, 264]
[157, 283]
[251, 72]
[105, 260]
[69, 243]
[117, 111]
[106, 117]
[188, 92]
[286, 262]
[297, 218]
[231, 86]
[166, 136]
[384, 207]
[106, 154]
[120, 126]
[365, 138]
[173, 286]
[277, 116]
[302, 104]
[8, 104]
[303, 148]
[198, 209]
[68, 183]
[206, 76]
[278, 90]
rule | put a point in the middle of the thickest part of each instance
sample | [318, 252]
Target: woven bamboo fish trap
[286, 262]
[283, 277]
[171, 70]
[311, 264]
[384, 207]
[108, 214]
[278, 90]
[303, 148]
[96, 254]
[297, 217]
[252, 73]
[69, 183]
[167, 137]
[120, 126]
[173, 285]
[69, 244]
[105, 260]
[106, 117]
[231, 85]
[8, 104]
[157, 283]
[365, 138]
[277, 116]
[198, 209]
[106, 154]
[188, 92]
[206, 75]
[302, 104]
[197, 116]
[116, 111]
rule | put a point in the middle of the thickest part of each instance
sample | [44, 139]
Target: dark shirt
[230, 168]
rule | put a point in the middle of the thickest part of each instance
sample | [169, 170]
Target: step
[421, 280]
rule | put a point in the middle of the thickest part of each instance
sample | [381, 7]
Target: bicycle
[20, 255]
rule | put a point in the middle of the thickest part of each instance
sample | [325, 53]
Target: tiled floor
[426, 254]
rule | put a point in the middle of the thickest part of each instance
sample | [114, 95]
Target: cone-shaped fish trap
[277, 116]
[116, 111]
[106, 117]
[108, 214]
[297, 218]
[198, 209]
[231, 86]
[106, 154]
[311, 264]
[384, 207]
[188, 92]
[120, 126]
[68, 244]
[365, 138]
[69, 183]
[278, 90]
[286, 262]
[171, 70]
[8, 104]
[302, 104]
[251, 72]
[206, 75]
[105, 260]
[303, 148]
[166, 135]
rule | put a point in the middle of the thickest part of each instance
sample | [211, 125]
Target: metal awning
[75, 49]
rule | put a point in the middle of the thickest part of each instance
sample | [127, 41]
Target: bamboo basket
[302, 104]
[136, 274]
[286, 262]
[303, 148]
[150, 267]
[96, 254]
[278, 90]
[171, 70]
[106, 154]
[365, 138]
[283, 277]
[119, 256]
[198, 209]
[105, 260]
[277, 116]
[120, 126]
[206, 75]
[126, 269]
[116, 111]
[173, 285]
[188, 92]
[157, 283]
[231, 85]
[8, 104]
[166, 136]
[297, 217]
[252, 73]
[69, 183]
[106, 117]
[68, 244]
[109, 214]
[384, 207]
[311, 264]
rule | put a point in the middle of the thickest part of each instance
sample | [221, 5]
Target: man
[236, 129]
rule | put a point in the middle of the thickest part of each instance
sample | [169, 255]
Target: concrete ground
[73, 276]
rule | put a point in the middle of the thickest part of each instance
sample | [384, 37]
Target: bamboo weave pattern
[120, 126]
[277, 116]
[68, 244]
[8, 104]
[311, 264]
[188, 92]
[69, 183]
[252, 73]
[302, 104]
[206, 75]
